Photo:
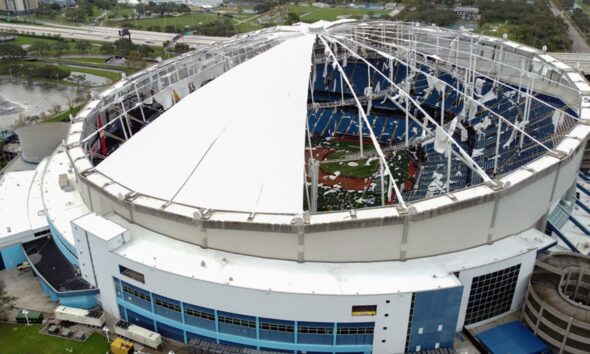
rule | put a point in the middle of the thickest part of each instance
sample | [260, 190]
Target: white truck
[138, 334]
[85, 317]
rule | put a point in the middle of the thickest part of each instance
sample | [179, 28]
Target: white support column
[407, 138]
[497, 154]
[123, 126]
[381, 173]
[361, 132]
[442, 107]
[449, 155]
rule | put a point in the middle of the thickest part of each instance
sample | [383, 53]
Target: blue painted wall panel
[148, 318]
[170, 332]
[435, 318]
[64, 246]
[140, 320]
[13, 255]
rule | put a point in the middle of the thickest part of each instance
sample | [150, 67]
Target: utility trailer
[85, 317]
[138, 334]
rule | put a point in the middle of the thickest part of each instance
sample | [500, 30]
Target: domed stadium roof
[242, 141]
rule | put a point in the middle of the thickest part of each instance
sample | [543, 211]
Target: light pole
[106, 331]
[25, 312]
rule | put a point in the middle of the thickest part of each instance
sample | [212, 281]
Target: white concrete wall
[300, 307]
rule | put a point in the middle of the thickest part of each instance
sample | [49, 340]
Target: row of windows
[315, 330]
[362, 330]
[200, 314]
[237, 322]
[277, 327]
[136, 293]
[167, 305]
[264, 324]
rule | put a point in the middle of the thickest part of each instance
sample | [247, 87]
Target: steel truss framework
[461, 54]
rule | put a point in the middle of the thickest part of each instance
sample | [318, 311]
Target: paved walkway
[25, 287]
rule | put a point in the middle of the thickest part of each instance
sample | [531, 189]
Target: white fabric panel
[237, 143]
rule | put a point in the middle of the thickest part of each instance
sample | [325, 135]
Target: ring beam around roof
[219, 147]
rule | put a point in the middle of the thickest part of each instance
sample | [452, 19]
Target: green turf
[65, 115]
[312, 13]
[88, 60]
[343, 149]
[113, 76]
[497, 29]
[362, 170]
[24, 40]
[195, 18]
[22, 339]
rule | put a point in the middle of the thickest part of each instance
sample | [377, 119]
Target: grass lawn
[65, 115]
[22, 339]
[88, 60]
[23, 40]
[113, 76]
[184, 20]
[497, 29]
[94, 63]
[585, 7]
[312, 13]
[248, 26]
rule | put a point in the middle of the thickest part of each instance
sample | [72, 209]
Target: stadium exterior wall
[391, 322]
[527, 196]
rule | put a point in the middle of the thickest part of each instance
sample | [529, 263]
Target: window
[315, 330]
[277, 327]
[237, 322]
[166, 305]
[410, 320]
[132, 274]
[42, 233]
[136, 293]
[199, 314]
[362, 330]
[491, 294]
[364, 310]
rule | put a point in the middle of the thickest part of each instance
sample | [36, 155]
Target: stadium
[336, 187]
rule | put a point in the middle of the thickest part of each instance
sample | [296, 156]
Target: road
[579, 44]
[109, 34]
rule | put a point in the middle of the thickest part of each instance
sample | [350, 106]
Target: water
[20, 98]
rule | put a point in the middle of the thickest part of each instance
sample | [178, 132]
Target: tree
[75, 14]
[11, 51]
[60, 47]
[145, 50]
[107, 48]
[292, 18]
[181, 48]
[41, 47]
[83, 46]
[135, 59]
[123, 46]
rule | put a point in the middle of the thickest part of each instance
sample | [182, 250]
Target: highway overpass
[107, 34]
